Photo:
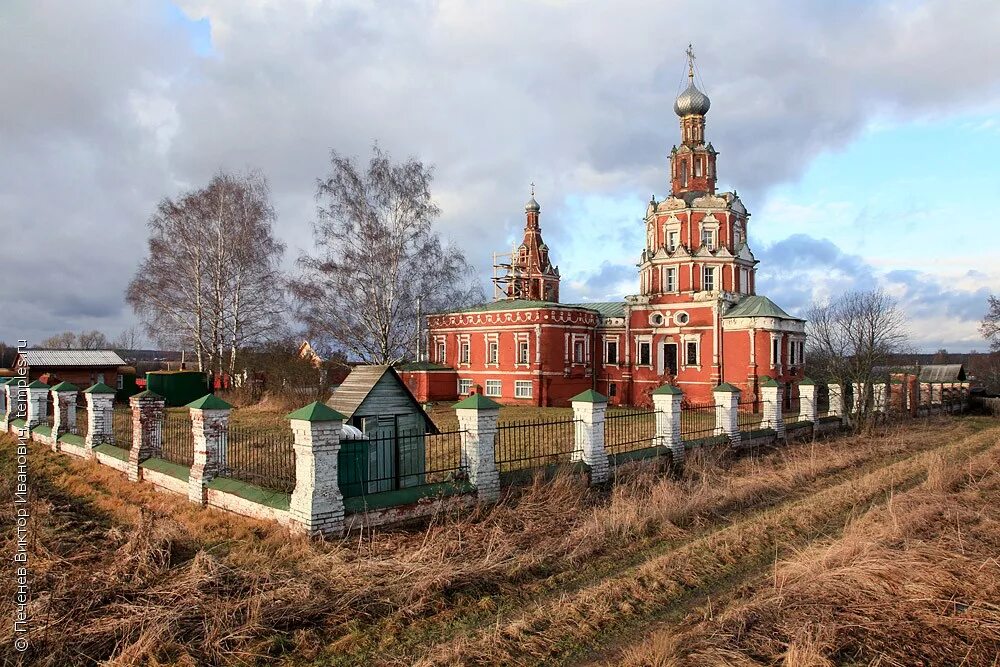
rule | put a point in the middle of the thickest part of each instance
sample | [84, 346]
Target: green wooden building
[375, 400]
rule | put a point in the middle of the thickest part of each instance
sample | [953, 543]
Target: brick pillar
[477, 417]
[210, 424]
[588, 409]
[317, 504]
[64, 404]
[100, 408]
[727, 412]
[808, 409]
[147, 430]
[771, 395]
[857, 399]
[38, 395]
[10, 389]
[836, 392]
[880, 398]
[667, 403]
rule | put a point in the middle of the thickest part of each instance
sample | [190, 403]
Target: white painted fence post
[477, 417]
[15, 392]
[38, 394]
[4, 404]
[64, 411]
[808, 409]
[147, 431]
[771, 395]
[210, 427]
[316, 506]
[589, 409]
[836, 392]
[727, 415]
[100, 410]
[667, 403]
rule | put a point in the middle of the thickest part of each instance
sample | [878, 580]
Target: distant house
[942, 373]
[80, 367]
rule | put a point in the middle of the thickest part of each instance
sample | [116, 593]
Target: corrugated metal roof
[758, 306]
[942, 373]
[603, 308]
[72, 358]
[350, 394]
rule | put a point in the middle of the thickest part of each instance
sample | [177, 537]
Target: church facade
[696, 322]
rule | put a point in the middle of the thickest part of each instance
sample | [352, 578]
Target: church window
[708, 238]
[464, 387]
[612, 390]
[522, 389]
[522, 352]
[494, 388]
[708, 278]
[493, 353]
[775, 352]
[691, 353]
[644, 356]
[671, 241]
[682, 318]
[463, 352]
[611, 352]
[684, 174]
[697, 166]
[578, 352]
[441, 352]
[671, 280]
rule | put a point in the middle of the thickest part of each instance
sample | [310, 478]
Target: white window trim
[498, 384]
[618, 352]
[464, 341]
[573, 340]
[685, 340]
[491, 339]
[715, 277]
[666, 282]
[776, 351]
[441, 349]
[639, 342]
[712, 226]
[519, 340]
[461, 383]
[672, 225]
[520, 385]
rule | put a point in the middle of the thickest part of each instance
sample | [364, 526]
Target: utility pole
[420, 329]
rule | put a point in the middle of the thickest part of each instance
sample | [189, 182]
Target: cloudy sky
[863, 136]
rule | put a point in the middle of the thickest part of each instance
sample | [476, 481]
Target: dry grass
[914, 582]
[130, 576]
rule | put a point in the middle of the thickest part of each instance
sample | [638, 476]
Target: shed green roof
[476, 402]
[759, 306]
[99, 388]
[65, 386]
[316, 412]
[209, 402]
[589, 396]
[667, 389]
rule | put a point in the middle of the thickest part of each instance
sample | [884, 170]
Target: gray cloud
[107, 111]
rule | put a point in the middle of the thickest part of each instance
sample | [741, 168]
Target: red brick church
[696, 322]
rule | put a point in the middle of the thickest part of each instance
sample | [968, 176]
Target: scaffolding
[506, 276]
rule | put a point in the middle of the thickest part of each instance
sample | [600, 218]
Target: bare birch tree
[377, 255]
[211, 280]
[851, 337]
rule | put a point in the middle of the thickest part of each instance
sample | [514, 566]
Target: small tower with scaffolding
[527, 272]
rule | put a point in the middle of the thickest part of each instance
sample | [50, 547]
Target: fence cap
[99, 388]
[667, 390]
[4, 381]
[65, 386]
[476, 402]
[589, 396]
[209, 402]
[149, 393]
[727, 388]
[807, 381]
[316, 412]
[768, 381]
[38, 384]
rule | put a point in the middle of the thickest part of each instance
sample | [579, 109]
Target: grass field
[858, 550]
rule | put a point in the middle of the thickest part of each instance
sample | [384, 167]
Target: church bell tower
[692, 164]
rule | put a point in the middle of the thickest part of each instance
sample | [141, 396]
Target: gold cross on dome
[690, 55]
[532, 188]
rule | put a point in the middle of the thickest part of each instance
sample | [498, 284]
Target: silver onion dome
[532, 205]
[692, 101]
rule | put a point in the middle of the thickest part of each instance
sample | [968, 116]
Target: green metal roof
[807, 381]
[147, 394]
[667, 389]
[99, 388]
[759, 306]
[726, 387]
[209, 402]
[65, 386]
[476, 402]
[316, 412]
[38, 384]
[589, 396]
[603, 308]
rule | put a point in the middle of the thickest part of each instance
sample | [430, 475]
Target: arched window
[684, 173]
[697, 166]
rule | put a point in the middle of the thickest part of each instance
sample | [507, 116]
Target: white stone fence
[599, 441]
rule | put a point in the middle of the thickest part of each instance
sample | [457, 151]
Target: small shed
[936, 373]
[80, 367]
[376, 401]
